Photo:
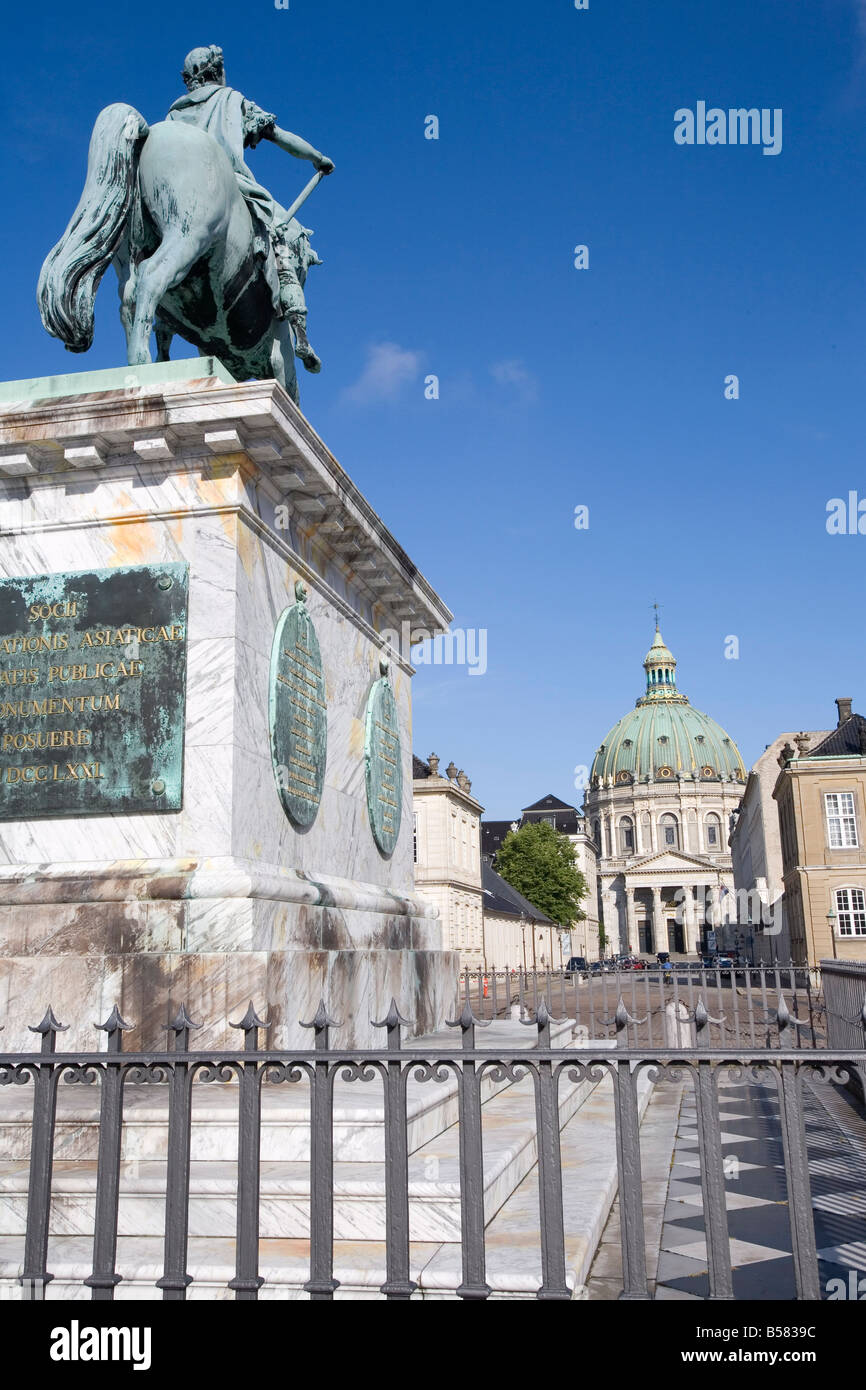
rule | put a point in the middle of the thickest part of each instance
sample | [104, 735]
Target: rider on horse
[236, 123]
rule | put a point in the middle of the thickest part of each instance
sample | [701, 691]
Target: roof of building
[848, 738]
[548, 803]
[493, 832]
[500, 897]
[664, 737]
[419, 768]
[563, 817]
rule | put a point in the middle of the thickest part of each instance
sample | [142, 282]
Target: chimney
[843, 705]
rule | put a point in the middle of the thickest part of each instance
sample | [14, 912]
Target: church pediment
[670, 862]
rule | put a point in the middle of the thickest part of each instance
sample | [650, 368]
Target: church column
[693, 919]
[659, 937]
[633, 942]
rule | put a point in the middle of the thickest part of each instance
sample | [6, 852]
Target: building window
[841, 825]
[626, 835]
[415, 837]
[850, 912]
[670, 832]
[714, 835]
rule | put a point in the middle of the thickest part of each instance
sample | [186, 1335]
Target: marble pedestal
[224, 900]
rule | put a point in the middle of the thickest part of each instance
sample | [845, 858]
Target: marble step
[513, 1256]
[358, 1112]
[510, 1152]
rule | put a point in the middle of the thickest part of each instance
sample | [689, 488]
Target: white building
[448, 854]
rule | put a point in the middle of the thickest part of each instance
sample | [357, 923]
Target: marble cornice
[143, 880]
[432, 786]
[250, 426]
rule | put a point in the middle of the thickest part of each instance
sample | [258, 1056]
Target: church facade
[663, 786]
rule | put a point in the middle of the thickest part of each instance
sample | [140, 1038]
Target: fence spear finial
[49, 1028]
[322, 1023]
[250, 1025]
[468, 1022]
[181, 1026]
[542, 1021]
[393, 1021]
[115, 1026]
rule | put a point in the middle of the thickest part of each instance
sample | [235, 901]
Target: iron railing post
[796, 1157]
[629, 1167]
[247, 1280]
[712, 1165]
[35, 1276]
[104, 1278]
[474, 1284]
[175, 1280]
[398, 1286]
[321, 1283]
[554, 1285]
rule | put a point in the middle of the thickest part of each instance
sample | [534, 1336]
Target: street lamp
[831, 923]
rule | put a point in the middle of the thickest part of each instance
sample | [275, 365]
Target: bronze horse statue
[163, 204]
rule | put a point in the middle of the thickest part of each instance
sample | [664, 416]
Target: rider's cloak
[235, 123]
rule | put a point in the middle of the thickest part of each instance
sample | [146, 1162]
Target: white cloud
[388, 368]
[519, 380]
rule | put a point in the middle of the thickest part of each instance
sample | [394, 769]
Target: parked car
[576, 966]
[724, 964]
[600, 967]
[638, 964]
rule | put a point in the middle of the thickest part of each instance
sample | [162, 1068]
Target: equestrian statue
[201, 249]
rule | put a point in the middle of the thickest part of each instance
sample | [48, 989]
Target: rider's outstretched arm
[300, 148]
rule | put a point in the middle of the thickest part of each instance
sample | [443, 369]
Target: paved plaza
[756, 1195]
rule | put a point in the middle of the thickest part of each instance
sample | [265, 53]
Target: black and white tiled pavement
[757, 1197]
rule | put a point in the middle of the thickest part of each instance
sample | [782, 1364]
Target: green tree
[539, 863]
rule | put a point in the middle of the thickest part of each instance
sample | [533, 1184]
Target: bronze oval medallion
[383, 764]
[298, 713]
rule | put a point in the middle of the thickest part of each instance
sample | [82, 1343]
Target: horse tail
[73, 269]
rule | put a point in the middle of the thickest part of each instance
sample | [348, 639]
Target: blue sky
[558, 387]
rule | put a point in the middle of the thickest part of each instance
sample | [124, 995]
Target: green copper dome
[663, 737]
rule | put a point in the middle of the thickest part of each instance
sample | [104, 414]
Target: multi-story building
[821, 796]
[662, 788]
[448, 854]
[760, 932]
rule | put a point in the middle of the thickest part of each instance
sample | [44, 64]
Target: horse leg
[163, 270]
[282, 358]
[163, 335]
[126, 289]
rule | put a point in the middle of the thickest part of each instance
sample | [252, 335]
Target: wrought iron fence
[743, 999]
[845, 1002]
[251, 1067]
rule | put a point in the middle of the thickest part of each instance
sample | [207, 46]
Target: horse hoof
[312, 362]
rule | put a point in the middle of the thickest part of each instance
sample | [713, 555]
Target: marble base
[224, 900]
[152, 935]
